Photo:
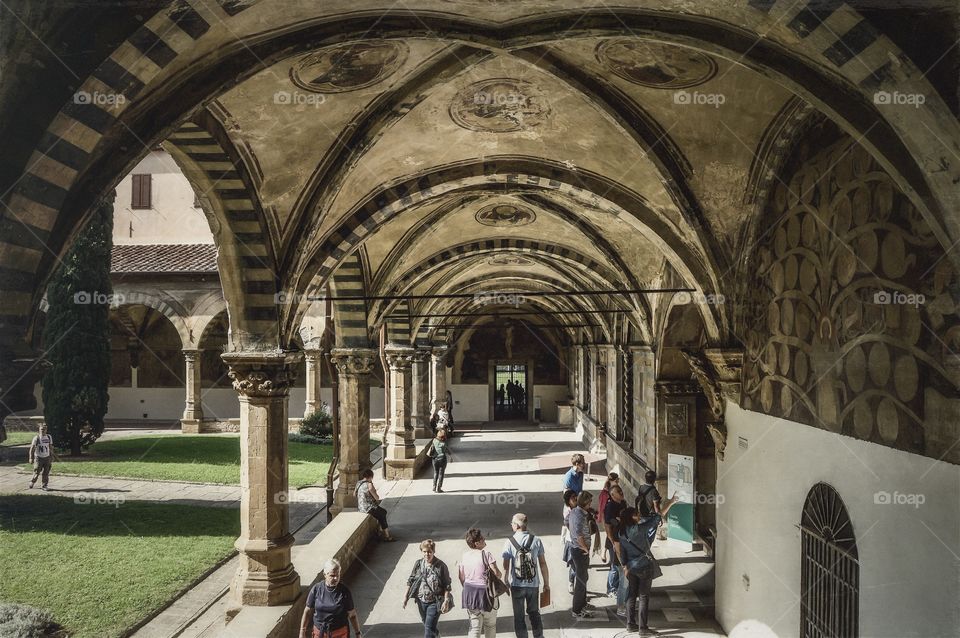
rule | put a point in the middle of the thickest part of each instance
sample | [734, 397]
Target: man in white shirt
[41, 456]
[525, 591]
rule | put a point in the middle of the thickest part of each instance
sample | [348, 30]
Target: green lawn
[201, 459]
[18, 438]
[99, 568]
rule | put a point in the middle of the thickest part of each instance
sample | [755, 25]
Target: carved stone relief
[348, 67]
[499, 105]
[655, 64]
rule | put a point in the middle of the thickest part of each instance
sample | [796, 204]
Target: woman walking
[475, 567]
[429, 584]
[440, 454]
[329, 607]
[368, 502]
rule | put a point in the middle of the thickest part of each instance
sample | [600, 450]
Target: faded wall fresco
[853, 313]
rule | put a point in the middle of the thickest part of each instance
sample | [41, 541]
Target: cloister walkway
[497, 470]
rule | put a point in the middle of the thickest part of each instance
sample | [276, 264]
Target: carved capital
[262, 374]
[191, 355]
[355, 361]
[672, 388]
[399, 357]
[718, 432]
[728, 368]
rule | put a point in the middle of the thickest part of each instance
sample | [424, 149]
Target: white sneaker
[582, 614]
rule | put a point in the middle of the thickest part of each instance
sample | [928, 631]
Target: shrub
[24, 621]
[294, 437]
[319, 424]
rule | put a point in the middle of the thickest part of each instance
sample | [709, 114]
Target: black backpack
[643, 505]
[524, 568]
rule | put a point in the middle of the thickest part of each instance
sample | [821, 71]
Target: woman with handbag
[430, 585]
[482, 586]
[368, 502]
[439, 452]
[639, 565]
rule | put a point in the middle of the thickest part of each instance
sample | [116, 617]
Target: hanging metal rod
[523, 314]
[499, 327]
[505, 293]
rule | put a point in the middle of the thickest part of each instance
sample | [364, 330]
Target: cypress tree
[77, 337]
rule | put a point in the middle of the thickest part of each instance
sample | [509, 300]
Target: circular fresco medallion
[499, 105]
[505, 215]
[508, 260]
[348, 67]
[655, 64]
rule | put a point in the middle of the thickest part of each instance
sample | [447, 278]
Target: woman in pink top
[473, 577]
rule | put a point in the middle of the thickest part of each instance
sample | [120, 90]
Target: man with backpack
[524, 561]
[648, 500]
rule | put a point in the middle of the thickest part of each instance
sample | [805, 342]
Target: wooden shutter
[141, 191]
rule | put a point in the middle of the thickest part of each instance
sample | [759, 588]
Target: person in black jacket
[430, 585]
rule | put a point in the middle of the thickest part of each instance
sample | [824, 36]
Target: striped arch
[350, 316]
[245, 256]
[398, 324]
[169, 308]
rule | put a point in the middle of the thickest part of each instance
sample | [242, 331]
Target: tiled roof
[164, 258]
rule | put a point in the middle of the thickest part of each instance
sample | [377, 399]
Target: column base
[266, 578]
[402, 468]
[344, 498]
[190, 426]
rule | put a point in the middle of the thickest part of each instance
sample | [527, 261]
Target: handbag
[643, 566]
[432, 451]
[495, 588]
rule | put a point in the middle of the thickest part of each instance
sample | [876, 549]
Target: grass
[100, 568]
[200, 459]
[18, 438]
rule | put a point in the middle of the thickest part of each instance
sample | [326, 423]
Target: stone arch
[169, 308]
[350, 315]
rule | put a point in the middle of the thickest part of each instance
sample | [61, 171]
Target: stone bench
[343, 539]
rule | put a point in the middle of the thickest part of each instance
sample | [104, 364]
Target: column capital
[191, 354]
[262, 374]
[639, 348]
[353, 360]
[399, 357]
[439, 351]
[421, 354]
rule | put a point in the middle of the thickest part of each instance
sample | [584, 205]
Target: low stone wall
[409, 468]
[343, 539]
[630, 468]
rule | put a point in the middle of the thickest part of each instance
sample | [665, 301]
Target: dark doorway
[510, 391]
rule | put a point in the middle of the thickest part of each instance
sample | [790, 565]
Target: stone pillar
[594, 365]
[579, 396]
[353, 375]
[265, 575]
[438, 377]
[313, 360]
[610, 360]
[420, 395]
[401, 451]
[193, 405]
[644, 404]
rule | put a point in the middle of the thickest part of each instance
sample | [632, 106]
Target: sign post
[680, 516]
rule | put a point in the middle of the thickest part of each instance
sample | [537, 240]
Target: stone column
[401, 450]
[644, 404]
[313, 360]
[594, 396]
[610, 361]
[579, 396]
[353, 375]
[265, 575]
[193, 405]
[438, 377]
[420, 395]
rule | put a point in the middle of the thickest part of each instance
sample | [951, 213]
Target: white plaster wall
[549, 395]
[470, 402]
[172, 218]
[909, 566]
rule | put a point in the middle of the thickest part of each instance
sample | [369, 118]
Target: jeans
[613, 577]
[439, 469]
[638, 591]
[581, 562]
[528, 597]
[41, 466]
[482, 623]
[430, 615]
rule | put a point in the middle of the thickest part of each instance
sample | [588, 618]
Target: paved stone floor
[494, 473]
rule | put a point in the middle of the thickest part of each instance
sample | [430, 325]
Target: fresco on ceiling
[654, 64]
[348, 67]
[852, 312]
[499, 105]
[505, 215]
[509, 260]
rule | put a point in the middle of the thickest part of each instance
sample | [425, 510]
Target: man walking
[573, 479]
[579, 525]
[40, 455]
[524, 561]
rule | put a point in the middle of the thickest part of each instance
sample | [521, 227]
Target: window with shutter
[141, 191]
